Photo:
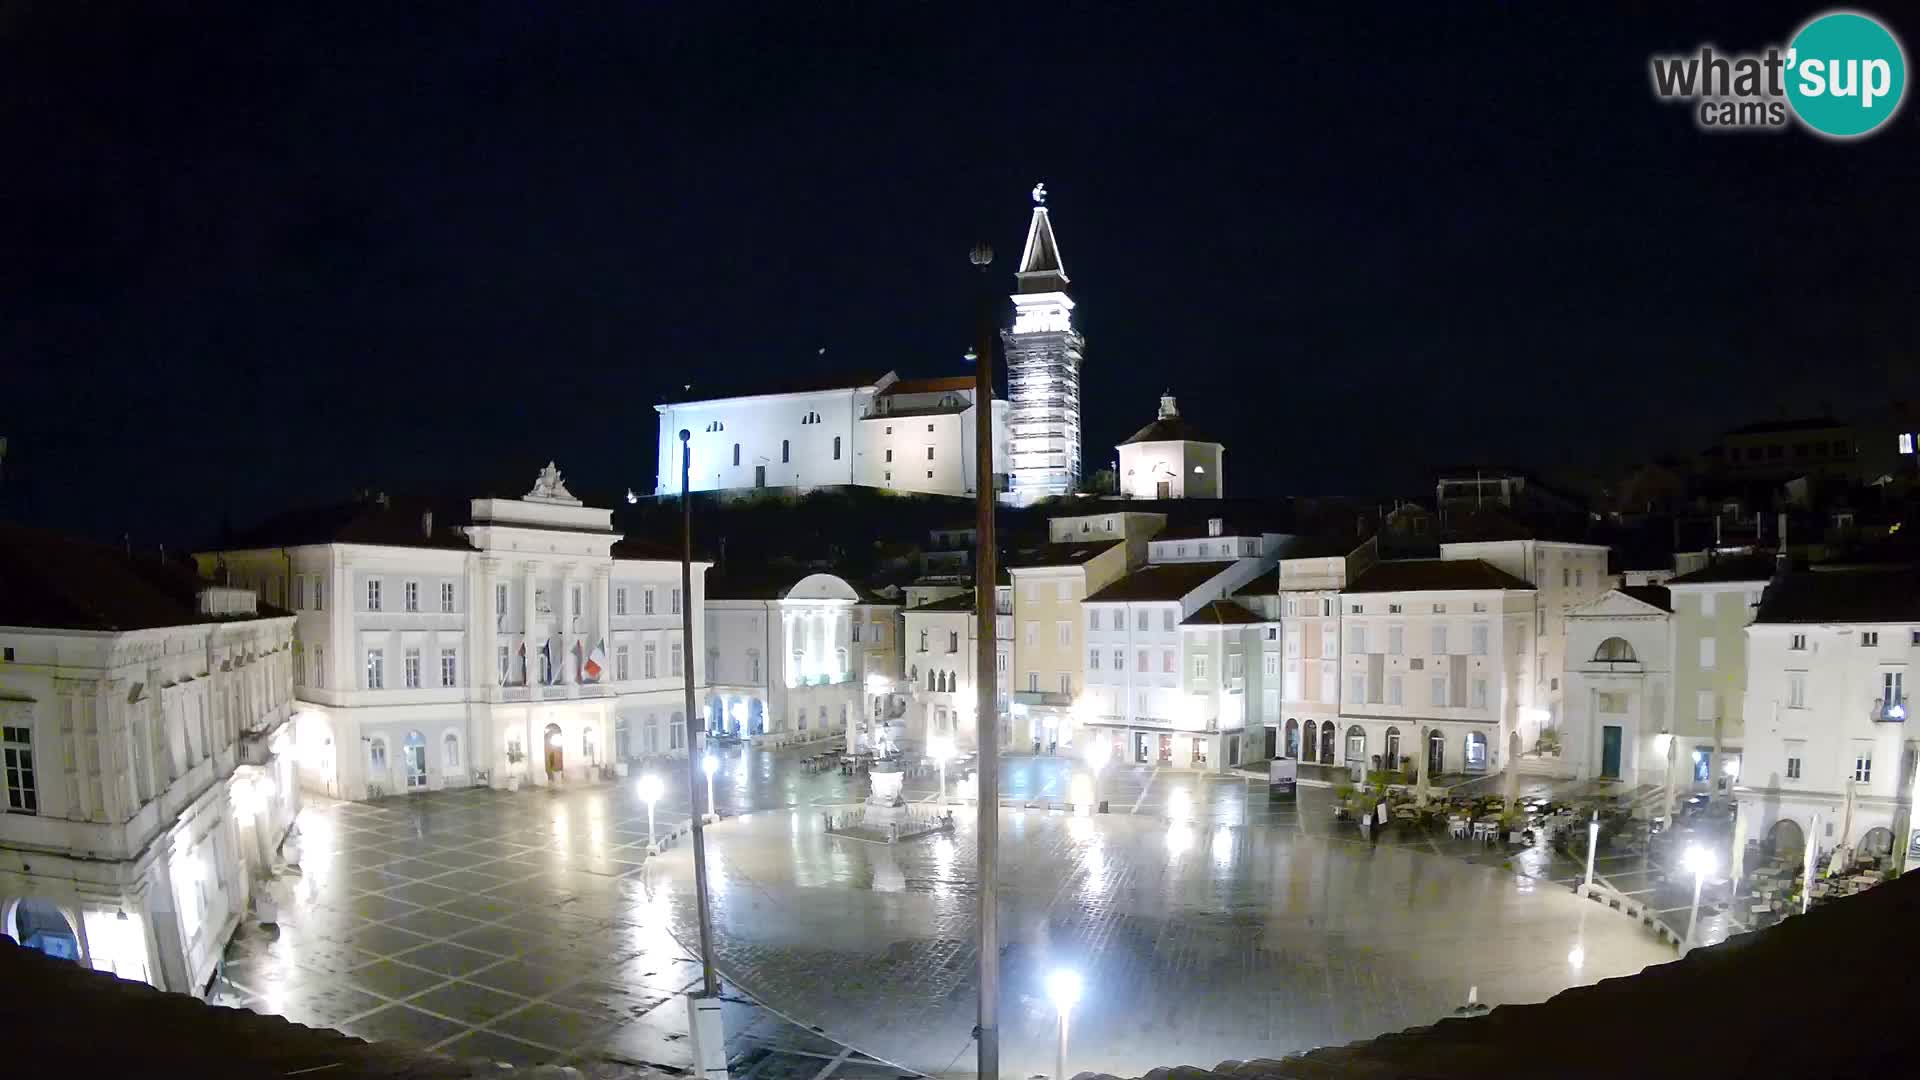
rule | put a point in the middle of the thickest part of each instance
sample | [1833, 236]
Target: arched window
[836, 448]
[450, 751]
[1309, 746]
[736, 453]
[1356, 743]
[786, 451]
[377, 755]
[1476, 752]
[1293, 738]
[1615, 650]
[932, 682]
[1436, 753]
[1877, 843]
[1392, 758]
[913, 674]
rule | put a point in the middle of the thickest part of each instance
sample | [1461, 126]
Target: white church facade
[905, 435]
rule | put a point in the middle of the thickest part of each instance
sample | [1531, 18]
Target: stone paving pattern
[522, 926]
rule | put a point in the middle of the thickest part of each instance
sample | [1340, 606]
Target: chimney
[426, 524]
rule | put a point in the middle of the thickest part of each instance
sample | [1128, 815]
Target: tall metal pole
[693, 727]
[986, 704]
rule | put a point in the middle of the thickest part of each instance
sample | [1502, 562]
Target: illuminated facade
[148, 777]
[1043, 354]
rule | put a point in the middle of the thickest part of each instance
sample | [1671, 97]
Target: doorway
[1273, 742]
[556, 754]
[1166, 750]
[1163, 489]
[1233, 748]
[1326, 743]
[1140, 745]
[1436, 754]
[1610, 752]
[413, 753]
[759, 476]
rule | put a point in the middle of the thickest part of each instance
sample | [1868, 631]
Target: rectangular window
[1120, 660]
[1093, 659]
[1236, 665]
[1167, 665]
[1119, 620]
[1540, 622]
[620, 601]
[1356, 689]
[673, 602]
[622, 663]
[1166, 620]
[1356, 639]
[1064, 632]
[1439, 609]
[646, 601]
[1093, 619]
[1892, 687]
[1439, 692]
[1579, 578]
[1329, 683]
[1066, 683]
[1479, 639]
[1479, 693]
[1329, 641]
[1479, 606]
[1063, 590]
[1140, 619]
[1566, 576]
[1145, 664]
[856, 631]
[1270, 664]
[1291, 605]
[1798, 643]
[1395, 609]
[449, 668]
[446, 597]
[376, 669]
[411, 660]
[1033, 682]
[299, 592]
[1795, 751]
[1703, 706]
[674, 660]
[1796, 689]
[1396, 694]
[1869, 639]
[1200, 666]
[1396, 640]
[929, 453]
[1439, 641]
[1326, 607]
[1354, 609]
[16, 754]
[1290, 682]
[1863, 763]
[500, 602]
[1707, 649]
[1032, 635]
[501, 662]
[1293, 641]
[373, 594]
[649, 661]
[573, 601]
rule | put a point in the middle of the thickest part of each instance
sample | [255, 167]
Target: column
[486, 628]
[602, 617]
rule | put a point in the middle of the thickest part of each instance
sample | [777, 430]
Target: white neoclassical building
[1829, 754]
[1619, 687]
[148, 771]
[810, 658]
[905, 435]
[527, 643]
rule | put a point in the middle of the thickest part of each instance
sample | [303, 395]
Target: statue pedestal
[884, 805]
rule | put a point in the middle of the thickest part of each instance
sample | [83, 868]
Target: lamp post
[650, 788]
[1063, 987]
[986, 716]
[703, 1012]
[1593, 844]
[1701, 862]
[709, 765]
[941, 750]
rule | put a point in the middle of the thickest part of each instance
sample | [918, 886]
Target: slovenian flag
[550, 676]
[507, 677]
[597, 663]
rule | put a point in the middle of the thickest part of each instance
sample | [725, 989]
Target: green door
[1610, 752]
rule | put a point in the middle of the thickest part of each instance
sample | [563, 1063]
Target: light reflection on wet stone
[1198, 942]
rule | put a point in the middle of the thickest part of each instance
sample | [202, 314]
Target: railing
[1042, 697]
[1890, 710]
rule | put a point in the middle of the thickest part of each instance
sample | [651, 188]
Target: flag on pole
[523, 665]
[597, 662]
[547, 674]
[579, 663]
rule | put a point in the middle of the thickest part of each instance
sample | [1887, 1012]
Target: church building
[1168, 459]
[1043, 354]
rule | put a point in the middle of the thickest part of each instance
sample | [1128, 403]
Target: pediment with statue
[550, 487]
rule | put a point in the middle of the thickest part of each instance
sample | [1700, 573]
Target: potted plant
[1513, 823]
[1343, 802]
[515, 756]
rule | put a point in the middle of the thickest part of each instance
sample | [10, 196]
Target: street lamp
[1593, 843]
[650, 790]
[1701, 862]
[710, 765]
[1063, 987]
[1098, 750]
[940, 748]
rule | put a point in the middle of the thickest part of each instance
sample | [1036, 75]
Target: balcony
[1043, 697]
[1889, 710]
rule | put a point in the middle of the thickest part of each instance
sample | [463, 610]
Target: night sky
[260, 260]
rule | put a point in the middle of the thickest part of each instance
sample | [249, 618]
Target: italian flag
[596, 663]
